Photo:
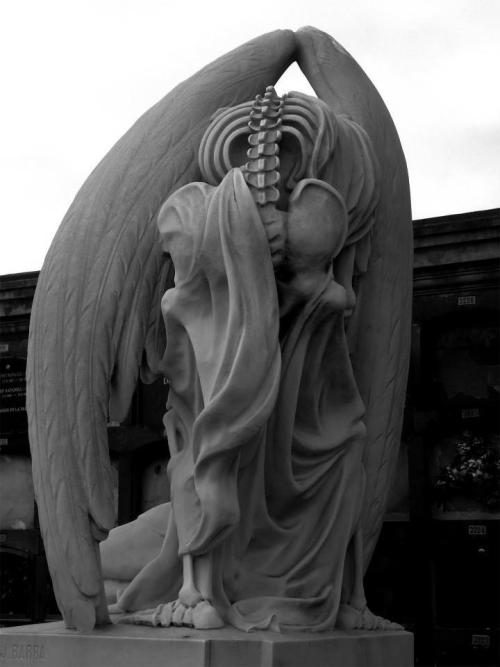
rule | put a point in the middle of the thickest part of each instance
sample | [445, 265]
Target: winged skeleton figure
[284, 336]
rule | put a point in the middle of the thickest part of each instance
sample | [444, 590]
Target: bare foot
[350, 618]
[201, 616]
[193, 607]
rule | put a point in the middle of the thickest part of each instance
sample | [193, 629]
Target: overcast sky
[77, 74]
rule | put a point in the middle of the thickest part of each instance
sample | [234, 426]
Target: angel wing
[97, 311]
[379, 333]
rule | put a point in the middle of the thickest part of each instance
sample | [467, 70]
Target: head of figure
[291, 147]
[276, 141]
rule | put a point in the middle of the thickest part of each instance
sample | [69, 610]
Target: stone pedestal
[51, 645]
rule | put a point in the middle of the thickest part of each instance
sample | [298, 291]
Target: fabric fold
[264, 420]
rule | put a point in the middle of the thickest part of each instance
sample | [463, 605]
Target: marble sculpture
[255, 250]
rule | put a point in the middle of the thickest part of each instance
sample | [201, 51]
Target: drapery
[264, 419]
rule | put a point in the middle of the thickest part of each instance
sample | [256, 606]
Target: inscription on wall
[13, 417]
[466, 300]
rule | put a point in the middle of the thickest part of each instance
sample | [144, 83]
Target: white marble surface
[129, 646]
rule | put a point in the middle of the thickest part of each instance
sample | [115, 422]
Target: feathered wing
[96, 313]
[379, 333]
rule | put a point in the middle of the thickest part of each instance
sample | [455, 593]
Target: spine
[262, 171]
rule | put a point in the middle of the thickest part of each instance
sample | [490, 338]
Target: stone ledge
[51, 645]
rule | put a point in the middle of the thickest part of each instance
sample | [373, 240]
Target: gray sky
[77, 74]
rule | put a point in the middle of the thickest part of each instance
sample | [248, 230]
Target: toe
[178, 615]
[188, 617]
[165, 616]
[144, 617]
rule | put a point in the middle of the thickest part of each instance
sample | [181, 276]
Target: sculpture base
[128, 646]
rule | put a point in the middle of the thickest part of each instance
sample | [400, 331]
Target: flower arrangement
[474, 472]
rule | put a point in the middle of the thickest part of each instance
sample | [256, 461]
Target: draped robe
[264, 421]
